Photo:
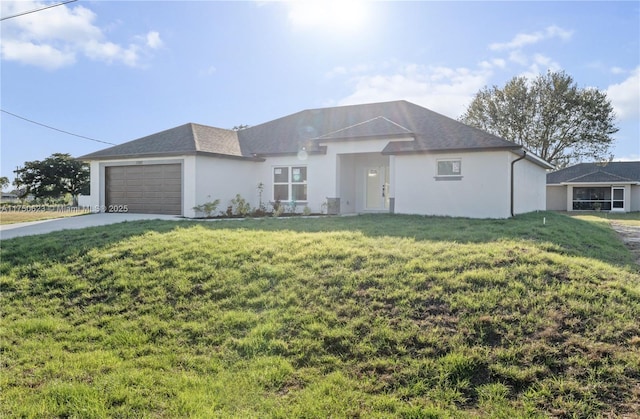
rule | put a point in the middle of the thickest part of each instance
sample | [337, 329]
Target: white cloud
[53, 38]
[442, 89]
[38, 55]
[207, 71]
[493, 63]
[536, 63]
[524, 39]
[110, 52]
[153, 40]
[630, 157]
[539, 64]
[518, 57]
[625, 96]
[341, 70]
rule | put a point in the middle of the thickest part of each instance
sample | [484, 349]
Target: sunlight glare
[334, 14]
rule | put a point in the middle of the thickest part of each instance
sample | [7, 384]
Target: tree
[549, 115]
[4, 182]
[53, 177]
[239, 127]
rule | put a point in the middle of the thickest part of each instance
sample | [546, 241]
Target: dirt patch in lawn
[630, 235]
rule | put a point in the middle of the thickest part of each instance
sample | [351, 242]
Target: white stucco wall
[530, 191]
[94, 185]
[220, 178]
[347, 190]
[483, 191]
[321, 175]
[556, 198]
[635, 198]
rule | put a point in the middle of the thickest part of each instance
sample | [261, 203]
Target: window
[290, 183]
[618, 198]
[450, 169]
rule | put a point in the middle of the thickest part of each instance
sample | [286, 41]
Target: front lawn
[367, 316]
[10, 215]
[626, 218]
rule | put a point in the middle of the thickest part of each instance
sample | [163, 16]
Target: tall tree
[549, 115]
[53, 177]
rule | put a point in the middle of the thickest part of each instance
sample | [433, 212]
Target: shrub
[278, 208]
[240, 206]
[208, 208]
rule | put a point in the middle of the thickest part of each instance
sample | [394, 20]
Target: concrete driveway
[10, 231]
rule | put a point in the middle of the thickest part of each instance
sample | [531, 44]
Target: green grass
[9, 215]
[626, 218]
[367, 316]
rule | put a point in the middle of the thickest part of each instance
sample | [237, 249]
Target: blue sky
[119, 70]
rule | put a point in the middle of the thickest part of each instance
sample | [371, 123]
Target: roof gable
[376, 127]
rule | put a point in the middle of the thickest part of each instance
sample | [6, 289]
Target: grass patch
[13, 216]
[368, 316]
[625, 218]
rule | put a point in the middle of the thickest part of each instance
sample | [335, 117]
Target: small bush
[291, 207]
[240, 206]
[208, 208]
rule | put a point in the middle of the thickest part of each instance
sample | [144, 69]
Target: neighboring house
[613, 186]
[9, 197]
[381, 157]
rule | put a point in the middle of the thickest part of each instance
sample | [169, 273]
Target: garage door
[148, 189]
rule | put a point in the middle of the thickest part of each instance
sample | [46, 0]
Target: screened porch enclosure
[598, 198]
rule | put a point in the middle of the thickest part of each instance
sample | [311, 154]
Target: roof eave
[321, 151]
[136, 156]
[604, 183]
[230, 156]
[89, 157]
[533, 158]
[450, 150]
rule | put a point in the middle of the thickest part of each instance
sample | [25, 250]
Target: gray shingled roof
[432, 131]
[612, 172]
[425, 131]
[185, 139]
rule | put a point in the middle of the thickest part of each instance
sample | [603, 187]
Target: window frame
[449, 176]
[290, 183]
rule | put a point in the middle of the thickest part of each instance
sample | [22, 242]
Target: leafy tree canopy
[4, 182]
[549, 115]
[53, 177]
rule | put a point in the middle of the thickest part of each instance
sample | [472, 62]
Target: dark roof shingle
[185, 139]
[432, 131]
[422, 129]
[609, 172]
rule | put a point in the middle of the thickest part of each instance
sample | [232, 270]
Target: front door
[617, 201]
[377, 188]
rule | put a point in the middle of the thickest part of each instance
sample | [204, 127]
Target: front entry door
[377, 188]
